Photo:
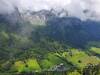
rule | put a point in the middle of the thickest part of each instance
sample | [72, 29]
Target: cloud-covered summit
[84, 9]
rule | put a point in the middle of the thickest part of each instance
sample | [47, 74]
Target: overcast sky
[74, 7]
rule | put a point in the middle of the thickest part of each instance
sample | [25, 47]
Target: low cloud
[84, 9]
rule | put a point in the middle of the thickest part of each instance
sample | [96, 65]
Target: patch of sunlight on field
[95, 50]
[19, 66]
[51, 60]
[28, 65]
[33, 64]
[79, 58]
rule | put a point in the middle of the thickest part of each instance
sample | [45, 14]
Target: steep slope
[46, 41]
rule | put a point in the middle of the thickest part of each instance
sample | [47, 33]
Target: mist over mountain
[83, 9]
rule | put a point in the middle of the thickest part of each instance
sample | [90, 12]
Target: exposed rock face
[33, 17]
